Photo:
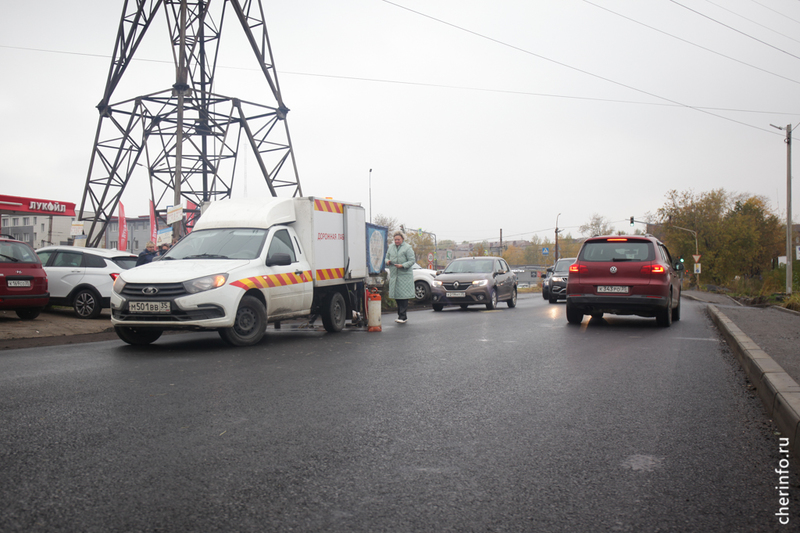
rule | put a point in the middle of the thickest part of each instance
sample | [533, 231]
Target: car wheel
[492, 303]
[334, 313]
[29, 313]
[437, 307]
[574, 316]
[664, 316]
[676, 313]
[87, 304]
[250, 323]
[545, 294]
[513, 301]
[138, 336]
[422, 291]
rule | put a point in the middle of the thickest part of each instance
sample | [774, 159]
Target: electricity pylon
[186, 138]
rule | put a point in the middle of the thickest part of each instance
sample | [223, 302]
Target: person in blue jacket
[400, 260]
[148, 254]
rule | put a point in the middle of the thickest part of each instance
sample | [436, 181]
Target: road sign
[696, 258]
[697, 268]
[449, 255]
[545, 251]
[430, 266]
[430, 257]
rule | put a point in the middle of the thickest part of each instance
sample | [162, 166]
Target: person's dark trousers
[402, 308]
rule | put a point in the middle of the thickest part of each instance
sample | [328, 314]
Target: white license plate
[456, 294]
[613, 288]
[19, 283]
[148, 307]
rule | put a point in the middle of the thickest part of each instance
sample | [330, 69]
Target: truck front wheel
[334, 312]
[250, 324]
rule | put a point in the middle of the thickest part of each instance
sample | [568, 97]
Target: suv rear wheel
[664, 316]
[574, 316]
[87, 304]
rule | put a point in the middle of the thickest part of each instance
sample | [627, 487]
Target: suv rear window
[125, 262]
[616, 251]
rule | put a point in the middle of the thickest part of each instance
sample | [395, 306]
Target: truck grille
[154, 291]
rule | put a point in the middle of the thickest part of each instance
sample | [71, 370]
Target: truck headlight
[119, 284]
[205, 283]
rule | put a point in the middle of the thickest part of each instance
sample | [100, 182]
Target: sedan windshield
[227, 243]
[471, 266]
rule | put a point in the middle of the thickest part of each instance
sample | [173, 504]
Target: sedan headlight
[559, 279]
[480, 282]
[205, 283]
[436, 283]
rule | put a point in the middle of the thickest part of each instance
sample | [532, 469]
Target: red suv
[624, 275]
[23, 282]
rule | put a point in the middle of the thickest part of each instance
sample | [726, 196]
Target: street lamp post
[555, 257]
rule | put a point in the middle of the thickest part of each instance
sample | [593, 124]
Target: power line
[582, 71]
[691, 43]
[712, 19]
[435, 85]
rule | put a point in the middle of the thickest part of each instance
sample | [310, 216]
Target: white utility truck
[248, 263]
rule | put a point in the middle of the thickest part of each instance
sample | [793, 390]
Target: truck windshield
[221, 243]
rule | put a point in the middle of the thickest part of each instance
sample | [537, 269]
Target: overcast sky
[474, 116]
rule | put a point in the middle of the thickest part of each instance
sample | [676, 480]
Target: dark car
[23, 281]
[625, 275]
[546, 283]
[558, 280]
[475, 281]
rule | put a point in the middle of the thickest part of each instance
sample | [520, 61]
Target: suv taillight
[652, 269]
[579, 269]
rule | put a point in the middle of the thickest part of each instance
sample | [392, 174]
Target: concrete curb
[779, 392]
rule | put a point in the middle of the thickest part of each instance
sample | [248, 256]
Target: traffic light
[631, 221]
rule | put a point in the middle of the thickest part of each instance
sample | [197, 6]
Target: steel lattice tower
[186, 137]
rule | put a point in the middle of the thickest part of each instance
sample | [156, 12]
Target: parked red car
[23, 282]
[624, 275]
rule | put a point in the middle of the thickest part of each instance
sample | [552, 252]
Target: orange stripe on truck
[328, 207]
[274, 280]
[330, 273]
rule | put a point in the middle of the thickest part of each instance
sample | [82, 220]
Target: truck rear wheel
[138, 336]
[250, 324]
[334, 312]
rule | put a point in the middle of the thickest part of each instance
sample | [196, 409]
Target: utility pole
[555, 257]
[501, 241]
[788, 141]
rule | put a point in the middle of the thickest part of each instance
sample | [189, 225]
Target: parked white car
[82, 278]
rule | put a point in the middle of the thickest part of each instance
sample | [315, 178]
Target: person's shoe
[401, 320]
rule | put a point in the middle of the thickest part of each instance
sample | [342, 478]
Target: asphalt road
[507, 420]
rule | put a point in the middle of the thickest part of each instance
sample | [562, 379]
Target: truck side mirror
[279, 259]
